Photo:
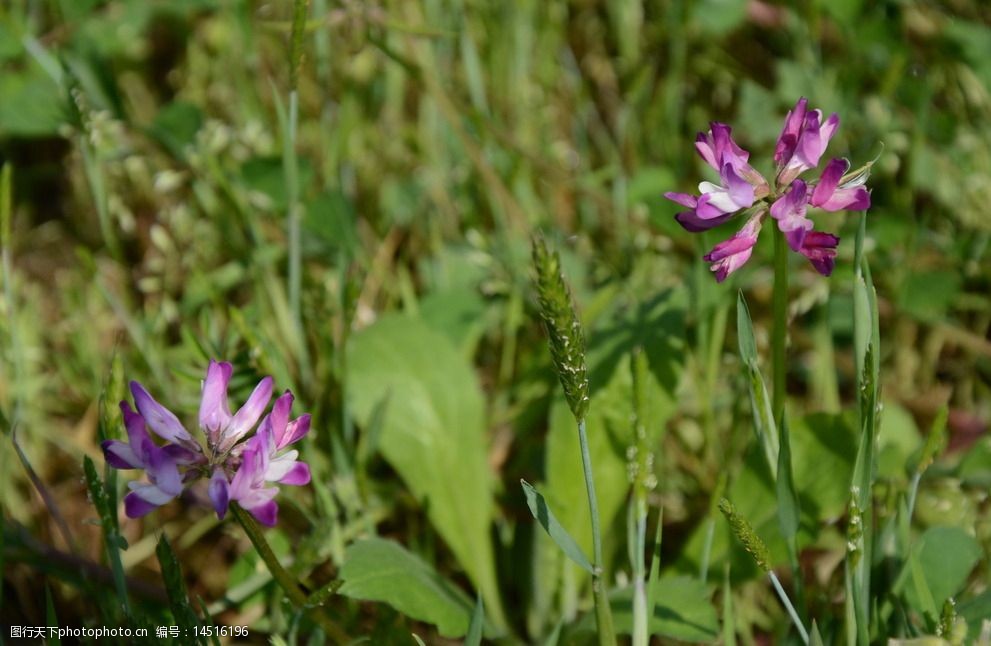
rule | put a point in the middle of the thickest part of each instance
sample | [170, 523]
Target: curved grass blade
[760, 402]
[544, 515]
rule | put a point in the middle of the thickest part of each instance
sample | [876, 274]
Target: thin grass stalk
[285, 580]
[789, 607]
[291, 164]
[642, 482]
[603, 614]
[6, 214]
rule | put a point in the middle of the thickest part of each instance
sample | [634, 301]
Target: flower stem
[789, 607]
[285, 580]
[780, 331]
[603, 614]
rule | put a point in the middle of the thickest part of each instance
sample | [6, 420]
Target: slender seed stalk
[567, 344]
[780, 331]
[285, 580]
[788, 606]
[603, 614]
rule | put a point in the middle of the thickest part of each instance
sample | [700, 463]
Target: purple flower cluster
[243, 471]
[802, 142]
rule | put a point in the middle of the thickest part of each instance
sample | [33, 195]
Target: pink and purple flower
[742, 189]
[237, 469]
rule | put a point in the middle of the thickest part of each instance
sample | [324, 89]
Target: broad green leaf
[975, 610]
[266, 176]
[823, 449]
[683, 611]
[432, 432]
[928, 295]
[898, 437]
[32, 104]
[945, 557]
[458, 313]
[560, 536]
[331, 218]
[175, 126]
[379, 570]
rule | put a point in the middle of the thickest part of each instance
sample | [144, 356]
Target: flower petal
[150, 493]
[214, 411]
[278, 419]
[296, 430]
[848, 199]
[135, 506]
[788, 138]
[219, 492]
[820, 249]
[789, 211]
[163, 472]
[683, 199]
[298, 475]
[120, 455]
[690, 221]
[267, 514]
[247, 416]
[829, 180]
[161, 420]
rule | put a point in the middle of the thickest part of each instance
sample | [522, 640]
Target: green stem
[294, 216]
[285, 580]
[603, 614]
[780, 331]
[789, 607]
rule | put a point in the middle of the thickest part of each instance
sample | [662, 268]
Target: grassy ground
[154, 182]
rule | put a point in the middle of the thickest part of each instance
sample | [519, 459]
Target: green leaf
[815, 639]
[432, 433]
[945, 557]
[823, 448]
[543, 514]
[975, 610]
[760, 402]
[474, 636]
[330, 217]
[175, 586]
[928, 295]
[175, 126]
[51, 618]
[266, 176]
[745, 331]
[32, 104]
[379, 570]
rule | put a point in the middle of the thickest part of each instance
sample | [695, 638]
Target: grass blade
[760, 402]
[543, 514]
[112, 540]
[175, 587]
[474, 636]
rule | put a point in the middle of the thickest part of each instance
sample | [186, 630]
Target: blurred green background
[435, 137]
